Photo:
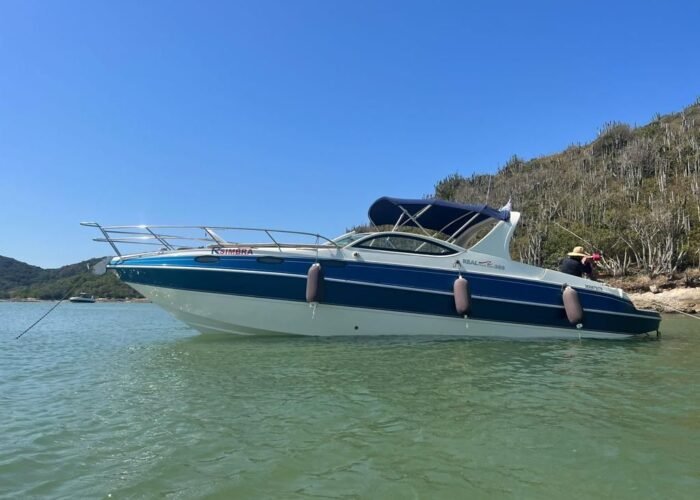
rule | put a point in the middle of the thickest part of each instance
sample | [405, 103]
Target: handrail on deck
[149, 235]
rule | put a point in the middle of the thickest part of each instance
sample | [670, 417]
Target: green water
[122, 400]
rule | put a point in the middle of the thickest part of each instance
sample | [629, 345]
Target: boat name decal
[484, 263]
[594, 287]
[231, 251]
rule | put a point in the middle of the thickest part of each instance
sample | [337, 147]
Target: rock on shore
[680, 299]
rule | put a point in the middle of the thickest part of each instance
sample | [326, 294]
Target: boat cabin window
[404, 243]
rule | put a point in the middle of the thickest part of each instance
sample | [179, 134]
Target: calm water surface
[122, 400]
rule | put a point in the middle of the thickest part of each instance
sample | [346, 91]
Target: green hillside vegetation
[15, 274]
[633, 193]
[19, 280]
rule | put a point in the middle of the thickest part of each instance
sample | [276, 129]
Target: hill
[15, 274]
[633, 193]
[20, 280]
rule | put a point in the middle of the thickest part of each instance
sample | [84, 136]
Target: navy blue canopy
[447, 217]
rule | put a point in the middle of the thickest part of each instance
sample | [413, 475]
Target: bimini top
[451, 219]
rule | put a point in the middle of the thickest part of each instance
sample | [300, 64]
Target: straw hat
[578, 252]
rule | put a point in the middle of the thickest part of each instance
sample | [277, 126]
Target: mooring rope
[46, 313]
[674, 309]
[98, 269]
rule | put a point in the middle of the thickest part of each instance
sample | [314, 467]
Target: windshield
[348, 238]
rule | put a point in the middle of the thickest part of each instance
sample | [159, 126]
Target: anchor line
[47, 312]
[674, 309]
[98, 269]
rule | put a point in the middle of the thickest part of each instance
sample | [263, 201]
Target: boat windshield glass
[348, 238]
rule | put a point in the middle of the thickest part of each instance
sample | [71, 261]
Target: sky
[299, 114]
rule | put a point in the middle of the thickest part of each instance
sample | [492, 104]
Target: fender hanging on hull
[314, 283]
[462, 297]
[572, 306]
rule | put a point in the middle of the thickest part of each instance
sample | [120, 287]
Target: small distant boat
[83, 298]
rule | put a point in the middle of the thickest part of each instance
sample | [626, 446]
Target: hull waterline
[217, 313]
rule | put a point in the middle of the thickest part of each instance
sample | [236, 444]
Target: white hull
[216, 313]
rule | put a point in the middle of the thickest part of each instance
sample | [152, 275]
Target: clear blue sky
[298, 114]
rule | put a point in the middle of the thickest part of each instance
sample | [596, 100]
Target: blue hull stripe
[378, 286]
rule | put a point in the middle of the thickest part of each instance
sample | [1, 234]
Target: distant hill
[15, 274]
[633, 192]
[20, 280]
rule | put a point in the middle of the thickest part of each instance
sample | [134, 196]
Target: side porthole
[207, 259]
[266, 259]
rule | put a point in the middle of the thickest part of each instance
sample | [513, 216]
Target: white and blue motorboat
[83, 298]
[423, 275]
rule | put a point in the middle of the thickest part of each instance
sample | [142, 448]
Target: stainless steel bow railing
[152, 235]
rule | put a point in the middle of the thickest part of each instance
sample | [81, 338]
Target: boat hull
[239, 294]
[221, 313]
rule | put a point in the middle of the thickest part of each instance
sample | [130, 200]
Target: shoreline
[685, 300]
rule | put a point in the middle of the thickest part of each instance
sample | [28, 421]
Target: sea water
[120, 400]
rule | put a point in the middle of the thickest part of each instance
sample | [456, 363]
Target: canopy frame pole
[464, 226]
[398, 222]
[414, 218]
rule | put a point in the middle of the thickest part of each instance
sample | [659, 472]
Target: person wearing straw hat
[578, 263]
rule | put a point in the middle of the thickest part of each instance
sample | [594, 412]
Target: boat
[426, 267]
[82, 297]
